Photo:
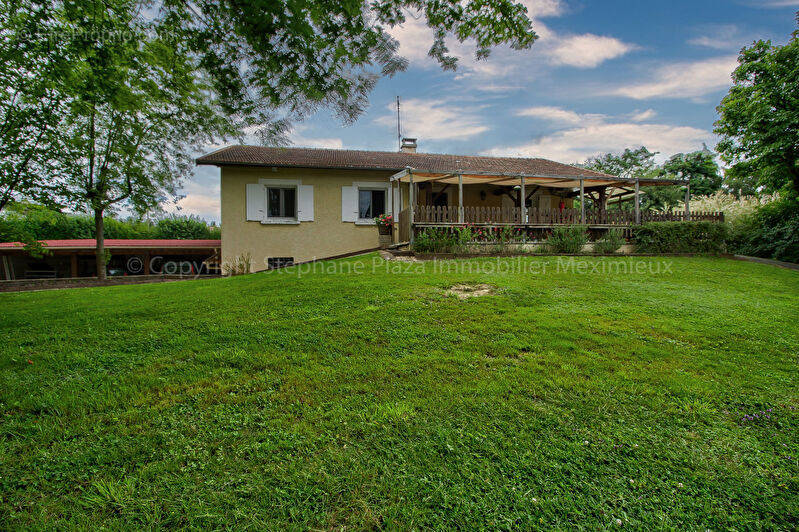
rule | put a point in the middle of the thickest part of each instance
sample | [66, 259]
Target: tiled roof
[385, 160]
[90, 243]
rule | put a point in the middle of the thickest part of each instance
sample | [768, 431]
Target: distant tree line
[27, 222]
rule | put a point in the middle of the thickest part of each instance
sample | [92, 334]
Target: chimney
[408, 145]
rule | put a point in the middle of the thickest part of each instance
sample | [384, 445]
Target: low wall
[22, 285]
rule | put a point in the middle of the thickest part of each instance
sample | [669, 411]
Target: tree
[759, 118]
[30, 104]
[699, 168]
[629, 165]
[148, 84]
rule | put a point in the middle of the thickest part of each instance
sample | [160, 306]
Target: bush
[569, 239]
[732, 206]
[34, 222]
[771, 232]
[437, 240]
[681, 237]
[610, 242]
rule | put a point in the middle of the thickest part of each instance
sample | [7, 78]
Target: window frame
[371, 187]
[282, 207]
[281, 184]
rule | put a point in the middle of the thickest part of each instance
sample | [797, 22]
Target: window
[279, 262]
[281, 202]
[371, 203]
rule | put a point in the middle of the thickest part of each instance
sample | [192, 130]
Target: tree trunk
[100, 251]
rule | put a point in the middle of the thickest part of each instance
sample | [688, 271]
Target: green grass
[373, 399]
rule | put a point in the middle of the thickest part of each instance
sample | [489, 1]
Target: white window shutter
[256, 201]
[349, 204]
[305, 203]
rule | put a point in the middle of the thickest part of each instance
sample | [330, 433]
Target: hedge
[38, 223]
[681, 237]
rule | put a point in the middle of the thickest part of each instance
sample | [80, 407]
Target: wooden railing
[428, 214]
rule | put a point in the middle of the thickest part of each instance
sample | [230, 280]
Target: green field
[362, 395]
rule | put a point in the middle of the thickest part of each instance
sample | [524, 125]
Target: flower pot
[384, 229]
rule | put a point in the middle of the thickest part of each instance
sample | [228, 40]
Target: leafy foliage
[759, 118]
[39, 223]
[771, 232]
[681, 237]
[733, 206]
[610, 242]
[570, 239]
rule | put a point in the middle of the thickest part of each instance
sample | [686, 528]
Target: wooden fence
[428, 214]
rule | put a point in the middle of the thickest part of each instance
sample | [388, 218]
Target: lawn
[362, 395]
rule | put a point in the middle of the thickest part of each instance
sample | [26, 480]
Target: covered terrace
[518, 207]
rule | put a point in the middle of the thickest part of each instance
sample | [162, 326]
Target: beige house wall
[325, 236]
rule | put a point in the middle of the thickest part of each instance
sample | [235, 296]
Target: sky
[603, 76]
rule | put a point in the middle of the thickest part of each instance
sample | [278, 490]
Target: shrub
[771, 232]
[35, 222]
[610, 242]
[569, 239]
[732, 206]
[240, 265]
[681, 237]
[437, 240]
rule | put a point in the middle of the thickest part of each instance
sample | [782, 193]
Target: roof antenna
[399, 135]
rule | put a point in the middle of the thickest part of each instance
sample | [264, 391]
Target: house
[288, 205]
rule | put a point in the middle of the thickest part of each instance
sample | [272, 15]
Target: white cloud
[682, 80]
[591, 134]
[435, 120]
[775, 3]
[560, 115]
[581, 51]
[643, 116]
[721, 37]
[588, 50]
[544, 8]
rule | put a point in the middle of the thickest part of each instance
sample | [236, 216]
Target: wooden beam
[73, 260]
[582, 202]
[637, 204]
[412, 202]
[687, 202]
[460, 199]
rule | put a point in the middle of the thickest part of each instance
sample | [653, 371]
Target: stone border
[28, 285]
[770, 262]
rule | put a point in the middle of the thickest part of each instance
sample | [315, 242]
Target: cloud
[587, 50]
[643, 116]
[309, 142]
[682, 80]
[559, 115]
[721, 37]
[581, 51]
[587, 135]
[775, 3]
[435, 120]
[544, 8]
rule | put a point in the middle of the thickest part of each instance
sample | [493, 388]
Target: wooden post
[523, 201]
[582, 201]
[412, 205]
[460, 198]
[74, 264]
[146, 265]
[637, 203]
[687, 201]
[6, 268]
[394, 229]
